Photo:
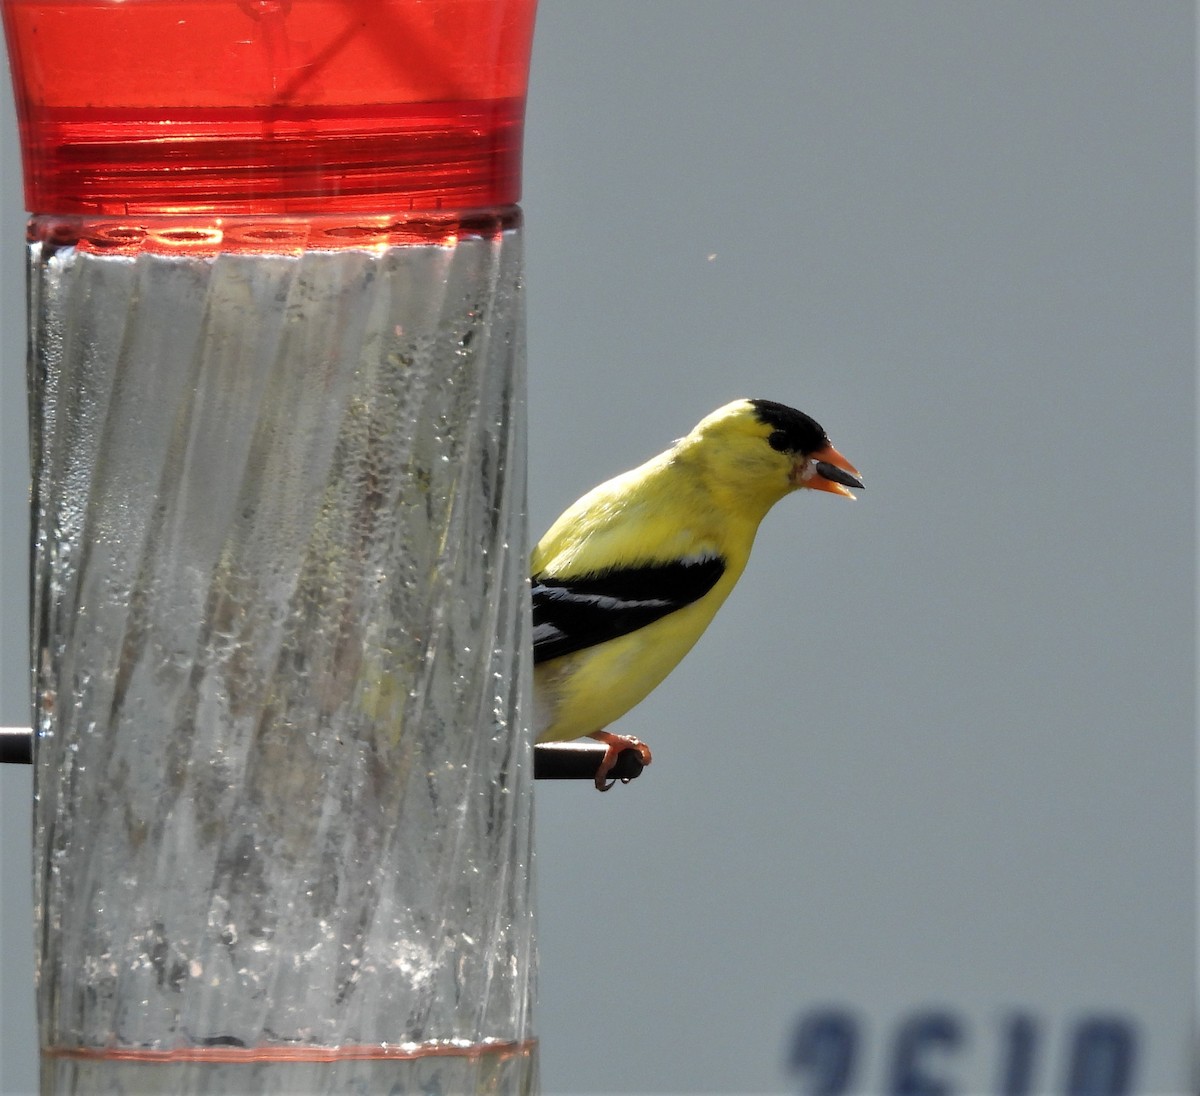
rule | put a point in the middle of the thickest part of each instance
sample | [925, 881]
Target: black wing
[573, 613]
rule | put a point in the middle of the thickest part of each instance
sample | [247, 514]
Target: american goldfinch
[627, 579]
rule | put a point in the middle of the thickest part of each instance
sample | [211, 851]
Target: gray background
[937, 751]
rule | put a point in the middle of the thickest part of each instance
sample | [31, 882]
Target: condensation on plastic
[280, 614]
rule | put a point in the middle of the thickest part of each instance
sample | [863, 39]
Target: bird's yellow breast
[585, 691]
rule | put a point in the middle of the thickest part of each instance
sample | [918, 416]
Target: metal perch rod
[551, 760]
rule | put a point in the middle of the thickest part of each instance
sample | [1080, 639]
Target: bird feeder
[280, 613]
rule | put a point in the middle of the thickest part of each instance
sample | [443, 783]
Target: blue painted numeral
[1103, 1053]
[1019, 1039]
[823, 1052]
[920, 1040]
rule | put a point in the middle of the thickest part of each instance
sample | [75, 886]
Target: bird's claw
[615, 744]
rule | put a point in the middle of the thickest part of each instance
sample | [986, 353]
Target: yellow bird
[628, 578]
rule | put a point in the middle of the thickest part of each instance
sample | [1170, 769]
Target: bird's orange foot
[616, 743]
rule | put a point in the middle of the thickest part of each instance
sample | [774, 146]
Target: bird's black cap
[792, 431]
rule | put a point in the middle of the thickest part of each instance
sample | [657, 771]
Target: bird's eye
[778, 439]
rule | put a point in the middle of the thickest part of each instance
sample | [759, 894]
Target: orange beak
[826, 470]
